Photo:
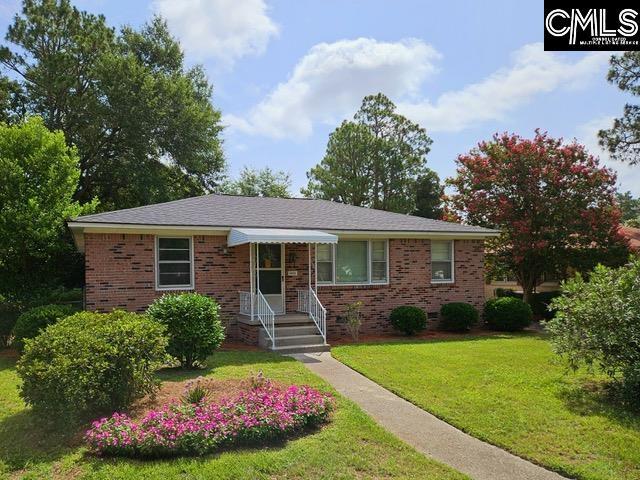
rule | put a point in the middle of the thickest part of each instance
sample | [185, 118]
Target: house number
[292, 273]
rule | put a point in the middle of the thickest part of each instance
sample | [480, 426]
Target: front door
[270, 274]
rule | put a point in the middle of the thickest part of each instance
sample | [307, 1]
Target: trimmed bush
[91, 362]
[508, 314]
[261, 415]
[193, 325]
[408, 319]
[458, 317]
[33, 321]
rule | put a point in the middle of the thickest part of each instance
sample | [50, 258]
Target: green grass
[351, 446]
[512, 392]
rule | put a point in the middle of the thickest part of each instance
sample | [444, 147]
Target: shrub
[541, 302]
[598, 323]
[408, 319]
[91, 362]
[458, 316]
[353, 318]
[507, 314]
[257, 416]
[195, 392]
[193, 324]
[33, 321]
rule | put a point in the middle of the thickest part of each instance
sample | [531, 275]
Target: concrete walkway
[420, 429]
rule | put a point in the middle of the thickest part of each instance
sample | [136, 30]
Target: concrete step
[293, 330]
[293, 318]
[299, 340]
[290, 341]
[302, 349]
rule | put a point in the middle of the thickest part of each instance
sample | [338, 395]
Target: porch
[282, 302]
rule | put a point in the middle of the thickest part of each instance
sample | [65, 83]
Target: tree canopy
[38, 176]
[629, 208]
[553, 203]
[143, 124]
[259, 183]
[373, 161]
[429, 193]
[623, 139]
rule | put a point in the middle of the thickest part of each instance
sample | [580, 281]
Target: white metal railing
[245, 303]
[303, 301]
[317, 313]
[265, 314]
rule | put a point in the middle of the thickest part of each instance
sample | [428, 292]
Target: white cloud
[222, 29]
[628, 175]
[329, 82]
[533, 71]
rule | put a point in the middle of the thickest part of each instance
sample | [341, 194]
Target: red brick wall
[410, 274]
[120, 274]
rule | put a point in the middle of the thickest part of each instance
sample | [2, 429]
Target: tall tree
[143, 124]
[38, 175]
[629, 208]
[259, 183]
[372, 161]
[623, 139]
[552, 202]
[429, 193]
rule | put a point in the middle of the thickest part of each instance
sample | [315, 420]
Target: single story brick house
[282, 269]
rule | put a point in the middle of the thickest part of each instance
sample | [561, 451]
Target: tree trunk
[527, 293]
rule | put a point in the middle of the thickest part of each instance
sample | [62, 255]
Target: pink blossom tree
[552, 201]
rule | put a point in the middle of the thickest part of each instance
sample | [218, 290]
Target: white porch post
[309, 277]
[251, 277]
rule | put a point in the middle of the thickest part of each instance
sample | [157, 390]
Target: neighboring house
[551, 283]
[283, 270]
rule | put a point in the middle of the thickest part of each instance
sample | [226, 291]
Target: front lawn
[511, 391]
[351, 446]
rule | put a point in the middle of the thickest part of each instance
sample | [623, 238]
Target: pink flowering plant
[262, 414]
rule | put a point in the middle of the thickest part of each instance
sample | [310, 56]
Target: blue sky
[286, 73]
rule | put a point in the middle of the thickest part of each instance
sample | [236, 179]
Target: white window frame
[157, 261]
[332, 250]
[453, 263]
[369, 281]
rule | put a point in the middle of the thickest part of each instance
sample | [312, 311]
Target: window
[324, 262]
[352, 262]
[174, 263]
[442, 261]
[378, 261]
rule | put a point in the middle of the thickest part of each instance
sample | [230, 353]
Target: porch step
[302, 349]
[293, 318]
[295, 333]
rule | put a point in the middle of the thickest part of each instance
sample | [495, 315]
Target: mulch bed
[172, 392]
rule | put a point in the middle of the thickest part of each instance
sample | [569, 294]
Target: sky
[286, 73]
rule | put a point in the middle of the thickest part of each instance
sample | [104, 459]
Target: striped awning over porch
[239, 236]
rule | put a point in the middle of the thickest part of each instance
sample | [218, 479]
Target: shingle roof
[297, 213]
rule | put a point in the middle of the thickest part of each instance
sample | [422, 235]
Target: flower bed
[262, 414]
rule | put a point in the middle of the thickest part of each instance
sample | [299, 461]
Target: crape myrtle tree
[622, 140]
[143, 124]
[373, 161]
[553, 203]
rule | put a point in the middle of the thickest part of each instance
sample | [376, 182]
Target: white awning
[238, 236]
